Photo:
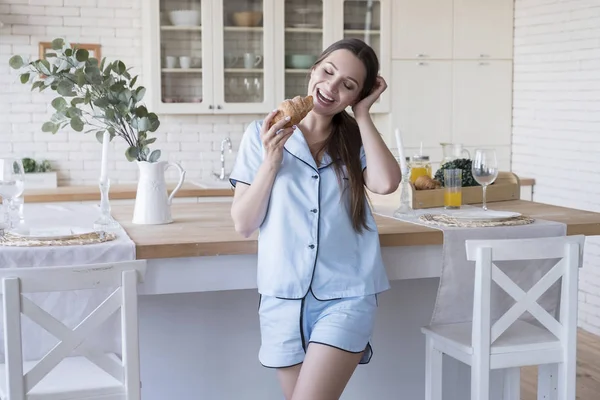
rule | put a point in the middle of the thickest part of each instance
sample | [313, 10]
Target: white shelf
[243, 29]
[361, 32]
[244, 70]
[304, 30]
[180, 28]
[296, 71]
[182, 70]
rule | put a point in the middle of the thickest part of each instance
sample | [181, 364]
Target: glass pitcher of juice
[419, 166]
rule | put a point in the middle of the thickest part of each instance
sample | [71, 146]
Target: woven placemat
[80, 239]
[447, 220]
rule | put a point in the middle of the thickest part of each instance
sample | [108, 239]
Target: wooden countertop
[127, 191]
[206, 229]
[117, 192]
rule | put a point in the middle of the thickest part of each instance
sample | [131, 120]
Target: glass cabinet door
[304, 41]
[181, 51]
[244, 56]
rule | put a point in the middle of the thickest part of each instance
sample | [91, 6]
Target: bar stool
[90, 373]
[510, 343]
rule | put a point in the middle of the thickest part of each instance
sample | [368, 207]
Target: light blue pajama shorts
[288, 325]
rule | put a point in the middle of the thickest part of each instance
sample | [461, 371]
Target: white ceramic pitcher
[152, 202]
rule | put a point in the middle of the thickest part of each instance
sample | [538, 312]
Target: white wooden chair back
[569, 251]
[18, 281]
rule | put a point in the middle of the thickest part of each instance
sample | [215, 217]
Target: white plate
[304, 26]
[481, 215]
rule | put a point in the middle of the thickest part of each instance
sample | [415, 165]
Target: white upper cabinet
[422, 107]
[482, 93]
[422, 29]
[210, 56]
[483, 29]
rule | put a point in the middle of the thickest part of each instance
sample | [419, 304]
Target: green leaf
[68, 52]
[80, 78]
[149, 141]
[77, 124]
[100, 136]
[101, 102]
[57, 44]
[77, 100]
[73, 112]
[65, 88]
[121, 68]
[141, 111]
[36, 85]
[82, 55]
[154, 156]
[139, 93]
[44, 66]
[154, 122]
[16, 62]
[143, 124]
[133, 81]
[93, 61]
[109, 114]
[25, 77]
[48, 127]
[102, 63]
[59, 104]
[50, 55]
[131, 153]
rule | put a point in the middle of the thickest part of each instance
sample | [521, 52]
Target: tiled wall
[192, 140]
[556, 124]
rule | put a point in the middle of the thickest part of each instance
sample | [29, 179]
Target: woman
[319, 261]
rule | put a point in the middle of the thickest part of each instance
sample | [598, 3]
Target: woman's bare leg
[325, 373]
[288, 378]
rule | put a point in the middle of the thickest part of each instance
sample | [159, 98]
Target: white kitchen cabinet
[221, 63]
[483, 29]
[422, 29]
[422, 107]
[482, 102]
[370, 21]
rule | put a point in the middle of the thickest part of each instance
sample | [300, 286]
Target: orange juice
[452, 198]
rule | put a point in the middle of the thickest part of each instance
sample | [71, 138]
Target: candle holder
[105, 222]
[405, 207]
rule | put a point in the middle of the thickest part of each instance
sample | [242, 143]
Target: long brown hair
[344, 142]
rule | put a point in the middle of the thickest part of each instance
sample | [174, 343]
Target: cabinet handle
[421, 55]
[421, 63]
[484, 63]
[219, 107]
[210, 107]
[484, 55]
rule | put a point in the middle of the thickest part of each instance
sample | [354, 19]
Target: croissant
[425, 182]
[297, 108]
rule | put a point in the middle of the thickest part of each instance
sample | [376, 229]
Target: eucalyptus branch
[95, 93]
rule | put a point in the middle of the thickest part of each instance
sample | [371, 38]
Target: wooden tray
[506, 187]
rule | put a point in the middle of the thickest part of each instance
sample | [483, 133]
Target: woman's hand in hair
[363, 106]
[273, 137]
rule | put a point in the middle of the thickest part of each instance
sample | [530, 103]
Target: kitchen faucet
[227, 141]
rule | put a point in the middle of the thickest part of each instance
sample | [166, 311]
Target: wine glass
[485, 169]
[11, 184]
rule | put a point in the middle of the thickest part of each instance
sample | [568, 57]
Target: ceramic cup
[171, 62]
[185, 62]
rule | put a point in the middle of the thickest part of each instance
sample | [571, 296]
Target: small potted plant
[38, 175]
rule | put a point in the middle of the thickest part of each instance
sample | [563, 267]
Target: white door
[422, 106]
[370, 21]
[482, 102]
[422, 29]
[178, 56]
[244, 57]
[302, 32]
[483, 29]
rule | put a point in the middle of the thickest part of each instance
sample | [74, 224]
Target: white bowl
[185, 17]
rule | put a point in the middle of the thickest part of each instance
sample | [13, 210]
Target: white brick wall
[556, 122]
[194, 141]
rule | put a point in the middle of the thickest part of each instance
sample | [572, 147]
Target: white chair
[509, 343]
[89, 374]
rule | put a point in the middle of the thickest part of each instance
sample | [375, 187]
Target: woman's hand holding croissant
[273, 137]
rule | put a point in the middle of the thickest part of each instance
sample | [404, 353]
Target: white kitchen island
[199, 331]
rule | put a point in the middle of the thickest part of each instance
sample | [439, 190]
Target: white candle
[104, 164]
[403, 165]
